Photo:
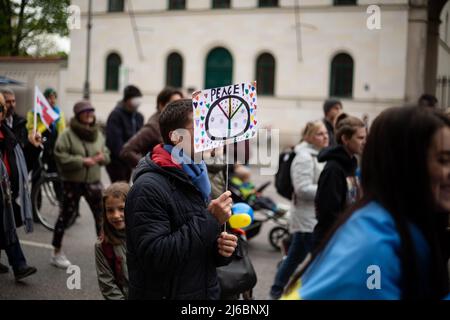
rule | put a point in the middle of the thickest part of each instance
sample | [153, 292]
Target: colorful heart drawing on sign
[224, 115]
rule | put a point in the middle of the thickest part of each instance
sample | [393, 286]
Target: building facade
[31, 72]
[301, 53]
[443, 70]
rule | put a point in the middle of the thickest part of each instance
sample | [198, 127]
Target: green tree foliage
[26, 21]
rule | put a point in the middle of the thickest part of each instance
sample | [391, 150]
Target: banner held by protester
[224, 115]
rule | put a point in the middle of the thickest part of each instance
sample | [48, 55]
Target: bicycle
[47, 196]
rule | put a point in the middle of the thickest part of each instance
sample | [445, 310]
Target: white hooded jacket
[305, 173]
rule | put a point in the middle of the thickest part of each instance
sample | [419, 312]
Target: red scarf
[115, 263]
[5, 157]
[162, 158]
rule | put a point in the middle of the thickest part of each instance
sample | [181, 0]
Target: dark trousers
[118, 171]
[15, 255]
[13, 250]
[298, 249]
[73, 191]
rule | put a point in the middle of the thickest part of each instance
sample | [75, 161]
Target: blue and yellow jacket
[361, 261]
[60, 124]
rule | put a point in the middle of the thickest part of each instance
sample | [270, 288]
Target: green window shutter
[265, 74]
[221, 4]
[113, 62]
[115, 5]
[174, 71]
[177, 4]
[219, 68]
[344, 2]
[341, 78]
[267, 3]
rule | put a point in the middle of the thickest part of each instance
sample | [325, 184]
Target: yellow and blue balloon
[242, 215]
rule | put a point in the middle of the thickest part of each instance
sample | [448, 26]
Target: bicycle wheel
[276, 235]
[46, 197]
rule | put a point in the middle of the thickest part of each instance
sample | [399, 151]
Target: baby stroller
[267, 208]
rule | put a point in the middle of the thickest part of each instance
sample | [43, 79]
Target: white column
[416, 51]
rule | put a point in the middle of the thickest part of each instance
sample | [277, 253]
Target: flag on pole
[43, 108]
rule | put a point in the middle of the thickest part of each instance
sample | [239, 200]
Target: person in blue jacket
[394, 243]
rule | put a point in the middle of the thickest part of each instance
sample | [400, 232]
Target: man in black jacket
[331, 109]
[174, 239]
[123, 123]
[15, 122]
[18, 126]
[15, 203]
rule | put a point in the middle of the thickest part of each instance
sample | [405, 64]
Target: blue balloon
[242, 207]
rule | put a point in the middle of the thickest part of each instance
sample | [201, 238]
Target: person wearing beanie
[123, 123]
[149, 135]
[79, 154]
[331, 108]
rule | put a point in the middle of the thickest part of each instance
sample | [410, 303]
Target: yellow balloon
[240, 220]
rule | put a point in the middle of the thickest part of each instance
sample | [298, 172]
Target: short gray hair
[7, 91]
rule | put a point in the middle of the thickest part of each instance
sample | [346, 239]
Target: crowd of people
[361, 198]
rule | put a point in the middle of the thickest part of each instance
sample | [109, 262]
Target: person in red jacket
[16, 209]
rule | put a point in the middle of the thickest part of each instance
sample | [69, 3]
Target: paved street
[50, 282]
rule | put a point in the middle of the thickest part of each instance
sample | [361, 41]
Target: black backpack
[283, 181]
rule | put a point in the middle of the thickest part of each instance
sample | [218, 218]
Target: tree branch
[19, 36]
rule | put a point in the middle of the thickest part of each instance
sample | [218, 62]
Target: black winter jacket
[333, 194]
[171, 237]
[330, 130]
[19, 129]
[120, 128]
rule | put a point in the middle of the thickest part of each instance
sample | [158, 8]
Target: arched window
[341, 78]
[267, 3]
[177, 4]
[220, 4]
[219, 68]
[115, 5]
[344, 2]
[113, 62]
[174, 70]
[265, 74]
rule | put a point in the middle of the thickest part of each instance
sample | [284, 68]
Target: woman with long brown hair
[391, 245]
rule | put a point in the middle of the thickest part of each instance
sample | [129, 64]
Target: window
[220, 4]
[115, 5]
[344, 2]
[265, 74]
[113, 62]
[174, 70]
[177, 4]
[341, 80]
[267, 3]
[219, 68]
